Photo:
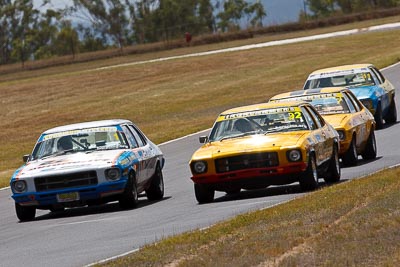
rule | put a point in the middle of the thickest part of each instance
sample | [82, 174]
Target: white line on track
[388, 26]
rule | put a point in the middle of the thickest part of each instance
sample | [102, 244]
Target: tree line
[30, 33]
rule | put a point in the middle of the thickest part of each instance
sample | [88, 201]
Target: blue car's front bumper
[84, 194]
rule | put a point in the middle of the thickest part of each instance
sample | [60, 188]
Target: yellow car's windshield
[258, 122]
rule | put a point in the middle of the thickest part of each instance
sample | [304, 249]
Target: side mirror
[203, 139]
[25, 158]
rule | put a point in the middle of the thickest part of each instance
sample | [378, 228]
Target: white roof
[84, 125]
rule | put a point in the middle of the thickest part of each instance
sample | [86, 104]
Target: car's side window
[311, 123]
[378, 74]
[138, 135]
[353, 108]
[353, 101]
[356, 101]
[129, 136]
[318, 119]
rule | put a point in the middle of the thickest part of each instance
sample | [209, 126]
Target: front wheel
[203, 193]
[309, 179]
[370, 149]
[392, 115]
[333, 173]
[129, 198]
[25, 213]
[156, 189]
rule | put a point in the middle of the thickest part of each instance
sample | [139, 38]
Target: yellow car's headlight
[199, 167]
[294, 155]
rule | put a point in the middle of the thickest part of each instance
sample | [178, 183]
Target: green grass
[355, 223]
[171, 98]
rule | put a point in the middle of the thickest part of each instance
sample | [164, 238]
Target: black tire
[309, 179]
[203, 193]
[129, 198]
[378, 116]
[56, 209]
[25, 213]
[156, 189]
[350, 158]
[233, 191]
[392, 114]
[333, 173]
[370, 148]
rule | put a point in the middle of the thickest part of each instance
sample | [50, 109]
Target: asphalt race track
[82, 236]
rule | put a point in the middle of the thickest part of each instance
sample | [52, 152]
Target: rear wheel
[203, 193]
[309, 179]
[129, 198]
[370, 149]
[25, 213]
[351, 157]
[392, 115]
[378, 117]
[156, 189]
[333, 173]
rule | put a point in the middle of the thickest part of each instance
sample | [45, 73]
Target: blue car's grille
[247, 161]
[64, 181]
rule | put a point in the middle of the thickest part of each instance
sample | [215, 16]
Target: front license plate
[68, 197]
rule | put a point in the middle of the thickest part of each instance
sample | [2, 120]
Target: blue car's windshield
[350, 79]
[99, 138]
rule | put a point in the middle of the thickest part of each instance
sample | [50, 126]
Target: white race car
[87, 164]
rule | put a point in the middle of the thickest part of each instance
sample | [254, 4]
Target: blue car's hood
[367, 91]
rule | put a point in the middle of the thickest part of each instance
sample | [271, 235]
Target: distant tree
[234, 11]
[22, 27]
[108, 17]
[48, 28]
[155, 20]
[257, 13]
[67, 41]
[90, 41]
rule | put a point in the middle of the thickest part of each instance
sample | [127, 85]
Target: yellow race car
[265, 144]
[341, 108]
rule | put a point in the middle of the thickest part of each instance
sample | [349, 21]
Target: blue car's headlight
[19, 186]
[112, 174]
[342, 134]
[368, 104]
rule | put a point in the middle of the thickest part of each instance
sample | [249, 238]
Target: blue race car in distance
[87, 164]
[366, 82]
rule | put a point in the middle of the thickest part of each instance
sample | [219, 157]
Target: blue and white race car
[366, 82]
[87, 164]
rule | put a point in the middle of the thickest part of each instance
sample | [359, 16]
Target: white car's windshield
[258, 122]
[350, 79]
[100, 138]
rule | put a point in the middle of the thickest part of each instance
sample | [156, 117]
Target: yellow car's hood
[260, 142]
[337, 120]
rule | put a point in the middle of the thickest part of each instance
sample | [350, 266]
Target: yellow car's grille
[247, 161]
